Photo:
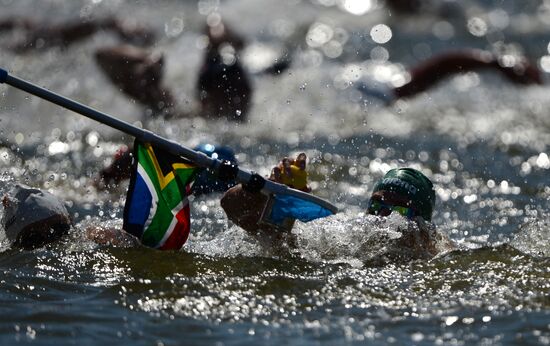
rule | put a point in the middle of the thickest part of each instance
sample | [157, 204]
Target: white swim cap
[33, 217]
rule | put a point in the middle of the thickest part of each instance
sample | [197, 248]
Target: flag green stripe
[172, 193]
[158, 227]
[169, 197]
[147, 163]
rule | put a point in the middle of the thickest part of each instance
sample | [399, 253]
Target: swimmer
[33, 218]
[223, 86]
[405, 191]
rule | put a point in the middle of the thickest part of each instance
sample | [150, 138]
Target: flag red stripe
[181, 231]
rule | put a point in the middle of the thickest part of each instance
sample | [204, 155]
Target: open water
[483, 141]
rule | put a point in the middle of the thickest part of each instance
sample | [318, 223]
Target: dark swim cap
[206, 181]
[33, 217]
[413, 185]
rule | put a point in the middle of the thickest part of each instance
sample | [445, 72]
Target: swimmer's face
[383, 203]
[39, 235]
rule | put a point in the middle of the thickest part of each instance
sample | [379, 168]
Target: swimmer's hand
[292, 172]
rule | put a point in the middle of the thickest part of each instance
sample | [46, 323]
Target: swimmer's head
[33, 217]
[405, 190]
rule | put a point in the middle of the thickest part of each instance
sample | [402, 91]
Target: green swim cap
[412, 184]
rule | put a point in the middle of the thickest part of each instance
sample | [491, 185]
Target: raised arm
[430, 72]
[139, 74]
[43, 36]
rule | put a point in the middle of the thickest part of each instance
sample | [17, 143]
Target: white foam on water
[533, 237]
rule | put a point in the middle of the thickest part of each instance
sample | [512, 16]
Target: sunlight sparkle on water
[443, 30]
[259, 56]
[543, 161]
[545, 63]
[19, 138]
[58, 147]
[174, 27]
[477, 27]
[319, 34]
[92, 138]
[381, 33]
[357, 7]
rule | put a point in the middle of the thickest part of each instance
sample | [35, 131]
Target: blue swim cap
[206, 181]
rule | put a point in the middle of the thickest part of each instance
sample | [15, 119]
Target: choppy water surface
[482, 141]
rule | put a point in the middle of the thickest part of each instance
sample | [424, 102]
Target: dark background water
[483, 141]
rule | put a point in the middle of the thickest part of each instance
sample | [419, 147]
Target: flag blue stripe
[141, 204]
[286, 206]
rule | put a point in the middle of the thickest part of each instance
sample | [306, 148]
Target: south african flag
[157, 209]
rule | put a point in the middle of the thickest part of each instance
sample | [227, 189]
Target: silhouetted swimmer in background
[427, 74]
[223, 87]
[41, 36]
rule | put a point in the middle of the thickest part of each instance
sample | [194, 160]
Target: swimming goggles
[380, 208]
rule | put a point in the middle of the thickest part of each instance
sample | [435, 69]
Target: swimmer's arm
[245, 208]
[111, 236]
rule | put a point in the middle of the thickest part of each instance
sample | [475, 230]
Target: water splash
[533, 237]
